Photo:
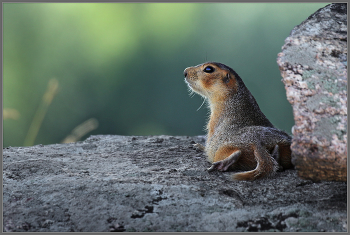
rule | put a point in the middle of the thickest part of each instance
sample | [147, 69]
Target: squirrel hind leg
[276, 155]
[223, 165]
[266, 165]
[285, 154]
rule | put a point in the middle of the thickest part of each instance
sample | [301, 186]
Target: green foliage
[122, 63]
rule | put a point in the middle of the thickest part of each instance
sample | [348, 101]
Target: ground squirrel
[239, 137]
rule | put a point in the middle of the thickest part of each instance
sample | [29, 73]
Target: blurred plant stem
[10, 114]
[81, 130]
[50, 93]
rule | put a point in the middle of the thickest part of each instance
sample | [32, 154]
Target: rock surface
[313, 64]
[154, 183]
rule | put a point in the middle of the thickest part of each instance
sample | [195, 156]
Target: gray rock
[313, 64]
[154, 183]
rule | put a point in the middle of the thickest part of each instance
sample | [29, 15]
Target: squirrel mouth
[188, 82]
[192, 85]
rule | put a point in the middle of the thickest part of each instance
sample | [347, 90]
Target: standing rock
[313, 64]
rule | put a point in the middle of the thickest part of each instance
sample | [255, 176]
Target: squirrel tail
[266, 165]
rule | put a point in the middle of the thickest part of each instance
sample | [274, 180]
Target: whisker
[201, 104]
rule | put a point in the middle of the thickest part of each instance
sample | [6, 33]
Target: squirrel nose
[185, 73]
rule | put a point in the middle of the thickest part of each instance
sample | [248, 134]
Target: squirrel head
[212, 80]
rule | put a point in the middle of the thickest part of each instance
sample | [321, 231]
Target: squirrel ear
[226, 78]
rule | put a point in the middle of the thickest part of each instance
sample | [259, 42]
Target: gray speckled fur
[240, 124]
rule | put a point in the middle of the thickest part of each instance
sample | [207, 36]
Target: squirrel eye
[208, 69]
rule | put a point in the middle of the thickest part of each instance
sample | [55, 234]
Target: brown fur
[237, 124]
[224, 152]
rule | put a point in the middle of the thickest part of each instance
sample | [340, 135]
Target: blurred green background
[121, 65]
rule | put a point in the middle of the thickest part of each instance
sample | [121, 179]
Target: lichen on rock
[313, 64]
